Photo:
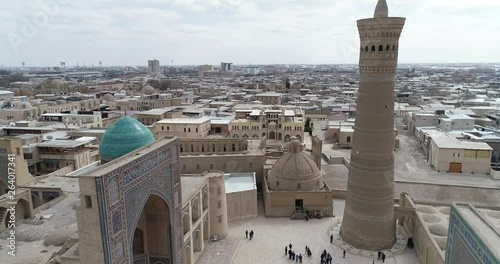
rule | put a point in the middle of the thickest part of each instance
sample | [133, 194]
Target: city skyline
[122, 33]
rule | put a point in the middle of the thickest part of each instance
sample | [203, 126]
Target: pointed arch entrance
[152, 237]
[272, 135]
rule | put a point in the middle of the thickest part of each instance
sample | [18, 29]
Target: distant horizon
[265, 64]
[192, 32]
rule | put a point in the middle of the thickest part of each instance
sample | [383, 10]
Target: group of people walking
[381, 256]
[249, 235]
[292, 255]
[326, 258]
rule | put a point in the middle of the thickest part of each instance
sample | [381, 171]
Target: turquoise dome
[123, 137]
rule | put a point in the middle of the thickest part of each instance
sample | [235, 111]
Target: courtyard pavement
[273, 234]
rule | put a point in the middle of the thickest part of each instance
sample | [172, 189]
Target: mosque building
[295, 184]
[130, 203]
[134, 208]
[131, 206]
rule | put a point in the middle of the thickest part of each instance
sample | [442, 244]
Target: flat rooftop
[158, 111]
[29, 128]
[240, 182]
[444, 140]
[220, 121]
[67, 143]
[190, 184]
[268, 94]
[84, 170]
[66, 184]
[102, 169]
[186, 121]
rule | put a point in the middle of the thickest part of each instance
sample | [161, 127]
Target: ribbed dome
[123, 137]
[148, 89]
[109, 98]
[295, 170]
[24, 105]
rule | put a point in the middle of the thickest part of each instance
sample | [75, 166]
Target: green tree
[165, 85]
[154, 83]
[308, 122]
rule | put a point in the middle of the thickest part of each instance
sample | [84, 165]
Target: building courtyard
[273, 234]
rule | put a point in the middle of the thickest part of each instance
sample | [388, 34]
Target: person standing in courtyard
[246, 234]
[300, 258]
[331, 239]
[286, 249]
[290, 246]
[343, 254]
[251, 234]
[379, 254]
[383, 258]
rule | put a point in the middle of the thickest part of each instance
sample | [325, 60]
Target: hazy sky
[129, 32]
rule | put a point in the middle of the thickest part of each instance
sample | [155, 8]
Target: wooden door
[455, 168]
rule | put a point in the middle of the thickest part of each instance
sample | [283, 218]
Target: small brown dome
[109, 98]
[148, 89]
[295, 170]
[24, 105]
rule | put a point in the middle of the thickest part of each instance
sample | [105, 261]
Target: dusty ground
[414, 176]
[273, 234]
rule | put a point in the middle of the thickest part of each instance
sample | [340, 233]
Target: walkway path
[273, 234]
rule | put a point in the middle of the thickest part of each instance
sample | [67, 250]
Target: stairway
[298, 216]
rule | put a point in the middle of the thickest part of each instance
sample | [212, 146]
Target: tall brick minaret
[368, 221]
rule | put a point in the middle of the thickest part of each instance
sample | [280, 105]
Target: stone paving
[398, 248]
[273, 234]
[220, 252]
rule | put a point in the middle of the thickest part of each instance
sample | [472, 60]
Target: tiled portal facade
[465, 245]
[122, 188]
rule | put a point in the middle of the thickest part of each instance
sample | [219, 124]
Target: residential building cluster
[207, 143]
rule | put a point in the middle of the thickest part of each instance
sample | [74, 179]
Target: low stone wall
[427, 249]
[339, 194]
[495, 174]
[46, 206]
[62, 171]
[336, 160]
